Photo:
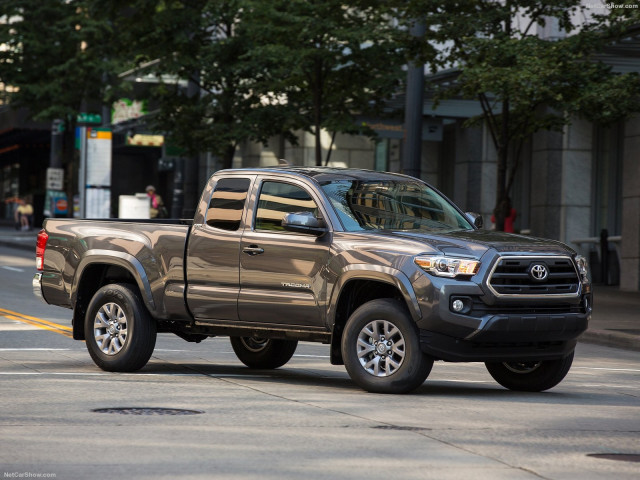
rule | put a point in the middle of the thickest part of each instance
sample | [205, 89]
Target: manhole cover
[621, 457]
[401, 428]
[148, 411]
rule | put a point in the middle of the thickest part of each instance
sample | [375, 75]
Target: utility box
[134, 206]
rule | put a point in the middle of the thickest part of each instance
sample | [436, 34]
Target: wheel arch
[358, 286]
[98, 269]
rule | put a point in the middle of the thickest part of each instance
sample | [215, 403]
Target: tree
[328, 61]
[206, 44]
[55, 55]
[526, 83]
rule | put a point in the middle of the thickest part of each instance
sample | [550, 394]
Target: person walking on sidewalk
[157, 208]
[24, 215]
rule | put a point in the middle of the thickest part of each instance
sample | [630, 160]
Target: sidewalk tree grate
[621, 457]
[147, 411]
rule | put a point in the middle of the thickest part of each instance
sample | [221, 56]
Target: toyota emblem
[539, 272]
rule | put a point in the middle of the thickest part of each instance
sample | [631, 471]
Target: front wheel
[381, 348]
[530, 376]
[263, 353]
[120, 333]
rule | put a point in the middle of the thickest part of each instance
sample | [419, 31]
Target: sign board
[89, 118]
[96, 197]
[125, 109]
[385, 128]
[98, 157]
[55, 179]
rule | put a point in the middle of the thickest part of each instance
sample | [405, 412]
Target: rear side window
[227, 203]
[276, 200]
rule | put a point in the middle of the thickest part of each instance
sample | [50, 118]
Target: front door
[282, 274]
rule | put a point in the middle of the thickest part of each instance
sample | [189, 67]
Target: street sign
[89, 118]
[55, 178]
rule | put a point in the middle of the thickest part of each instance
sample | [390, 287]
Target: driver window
[276, 200]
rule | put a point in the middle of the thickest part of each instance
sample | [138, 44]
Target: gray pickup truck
[382, 267]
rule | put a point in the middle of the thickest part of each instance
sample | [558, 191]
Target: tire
[120, 334]
[263, 353]
[381, 348]
[530, 376]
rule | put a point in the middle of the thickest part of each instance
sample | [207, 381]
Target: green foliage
[56, 53]
[259, 68]
[329, 61]
[526, 83]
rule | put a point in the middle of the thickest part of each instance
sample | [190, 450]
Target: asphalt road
[304, 420]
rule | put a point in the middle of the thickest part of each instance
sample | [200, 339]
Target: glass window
[227, 203]
[392, 205]
[276, 200]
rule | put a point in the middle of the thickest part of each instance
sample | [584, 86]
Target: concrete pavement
[615, 321]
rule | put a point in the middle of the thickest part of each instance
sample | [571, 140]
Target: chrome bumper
[36, 283]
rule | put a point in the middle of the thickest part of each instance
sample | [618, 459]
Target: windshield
[392, 205]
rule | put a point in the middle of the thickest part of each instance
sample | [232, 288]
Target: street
[304, 420]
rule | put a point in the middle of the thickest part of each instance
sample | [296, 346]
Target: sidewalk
[615, 321]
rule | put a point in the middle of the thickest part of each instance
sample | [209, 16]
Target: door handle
[253, 250]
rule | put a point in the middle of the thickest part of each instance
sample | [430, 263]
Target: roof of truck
[322, 174]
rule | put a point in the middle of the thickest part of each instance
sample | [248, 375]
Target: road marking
[610, 369]
[13, 269]
[34, 349]
[37, 322]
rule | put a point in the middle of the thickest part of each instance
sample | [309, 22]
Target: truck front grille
[521, 276]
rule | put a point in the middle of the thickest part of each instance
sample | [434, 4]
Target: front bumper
[490, 328]
[510, 338]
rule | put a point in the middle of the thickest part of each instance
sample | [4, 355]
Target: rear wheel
[120, 333]
[530, 376]
[381, 349]
[263, 353]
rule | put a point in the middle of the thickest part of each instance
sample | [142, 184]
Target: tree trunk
[502, 201]
[317, 107]
[227, 157]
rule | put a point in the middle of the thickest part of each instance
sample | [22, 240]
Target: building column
[561, 182]
[468, 178]
[630, 248]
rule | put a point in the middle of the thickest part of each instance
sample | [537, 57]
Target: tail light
[41, 245]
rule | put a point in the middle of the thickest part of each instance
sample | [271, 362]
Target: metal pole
[82, 174]
[191, 187]
[57, 129]
[177, 201]
[412, 154]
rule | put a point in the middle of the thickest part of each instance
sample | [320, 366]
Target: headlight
[448, 266]
[583, 268]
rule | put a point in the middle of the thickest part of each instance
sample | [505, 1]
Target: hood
[476, 243]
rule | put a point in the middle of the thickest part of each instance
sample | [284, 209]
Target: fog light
[457, 305]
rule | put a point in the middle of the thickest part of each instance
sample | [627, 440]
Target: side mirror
[304, 222]
[475, 219]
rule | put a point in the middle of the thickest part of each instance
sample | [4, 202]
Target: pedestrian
[24, 214]
[510, 218]
[156, 208]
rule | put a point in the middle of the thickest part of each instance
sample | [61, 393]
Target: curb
[610, 338]
[24, 245]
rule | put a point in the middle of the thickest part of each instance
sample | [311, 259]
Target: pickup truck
[380, 266]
